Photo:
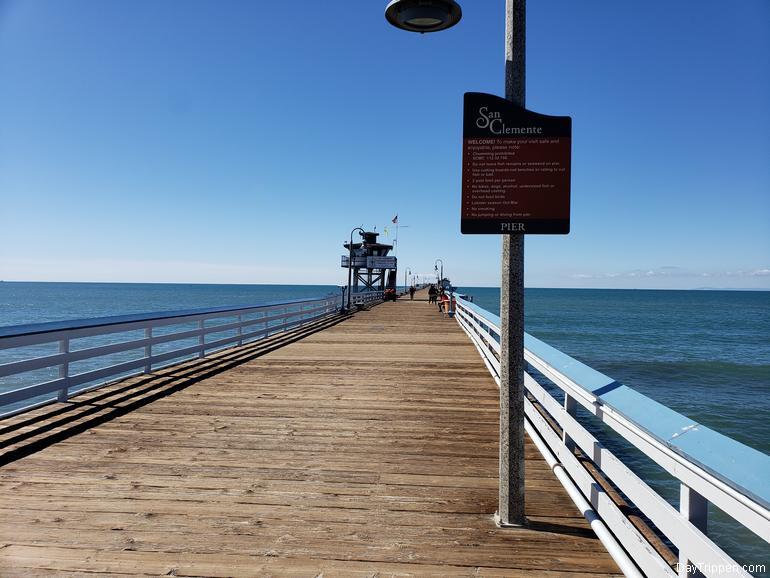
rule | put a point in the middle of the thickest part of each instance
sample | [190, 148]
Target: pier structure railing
[710, 467]
[366, 297]
[44, 362]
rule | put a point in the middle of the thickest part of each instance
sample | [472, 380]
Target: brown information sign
[516, 168]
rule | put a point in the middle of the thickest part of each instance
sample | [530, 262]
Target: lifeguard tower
[371, 264]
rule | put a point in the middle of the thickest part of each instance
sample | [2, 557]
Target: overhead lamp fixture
[423, 15]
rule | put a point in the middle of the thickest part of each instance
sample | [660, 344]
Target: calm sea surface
[705, 354]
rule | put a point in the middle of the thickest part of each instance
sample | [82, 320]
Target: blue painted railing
[709, 466]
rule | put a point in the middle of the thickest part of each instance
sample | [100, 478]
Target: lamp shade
[423, 15]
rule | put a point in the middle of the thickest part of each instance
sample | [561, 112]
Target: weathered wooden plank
[69, 560]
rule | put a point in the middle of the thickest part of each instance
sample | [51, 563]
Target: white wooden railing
[709, 466]
[38, 363]
[366, 297]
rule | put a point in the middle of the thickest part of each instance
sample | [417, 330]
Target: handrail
[364, 297]
[47, 327]
[710, 466]
[141, 347]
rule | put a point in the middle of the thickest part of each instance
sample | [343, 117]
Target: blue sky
[241, 141]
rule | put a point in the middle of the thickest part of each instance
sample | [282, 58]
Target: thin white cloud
[751, 273]
[150, 271]
[670, 271]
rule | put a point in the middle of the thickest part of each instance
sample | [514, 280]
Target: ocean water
[705, 354]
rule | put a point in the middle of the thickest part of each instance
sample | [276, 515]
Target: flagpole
[394, 220]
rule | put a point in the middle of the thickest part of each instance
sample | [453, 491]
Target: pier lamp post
[431, 16]
[407, 271]
[441, 277]
[350, 261]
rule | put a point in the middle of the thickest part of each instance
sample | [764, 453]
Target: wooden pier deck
[367, 448]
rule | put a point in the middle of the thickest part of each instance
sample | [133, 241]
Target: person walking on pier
[432, 294]
[411, 293]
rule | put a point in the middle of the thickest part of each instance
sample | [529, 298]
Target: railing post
[694, 508]
[201, 340]
[64, 369]
[239, 330]
[148, 350]
[570, 406]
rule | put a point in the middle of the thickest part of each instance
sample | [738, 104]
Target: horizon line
[757, 289]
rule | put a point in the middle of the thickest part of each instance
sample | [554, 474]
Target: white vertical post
[148, 350]
[201, 340]
[570, 406]
[694, 508]
[64, 369]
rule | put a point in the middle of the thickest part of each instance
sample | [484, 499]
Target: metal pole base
[500, 524]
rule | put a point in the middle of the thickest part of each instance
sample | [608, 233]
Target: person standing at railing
[442, 299]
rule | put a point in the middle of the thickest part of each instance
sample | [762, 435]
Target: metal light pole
[511, 493]
[430, 16]
[435, 266]
[350, 261]
[407, 271]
